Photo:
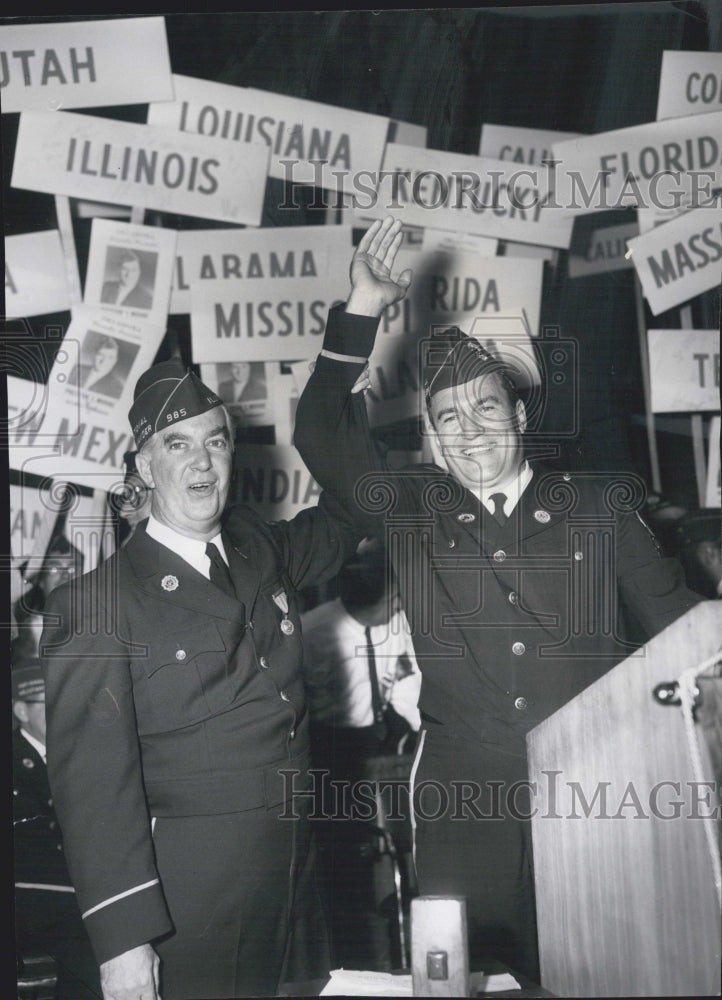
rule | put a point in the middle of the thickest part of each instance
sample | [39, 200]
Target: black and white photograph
[129, 278]
[104, 364]
[364, 625]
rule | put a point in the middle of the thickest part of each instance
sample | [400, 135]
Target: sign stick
[137, 214]
[67, 240]
[649, 416]
[700, 463]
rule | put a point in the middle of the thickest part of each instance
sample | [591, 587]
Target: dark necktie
[378, 708]
[220, 574]
[498, 499]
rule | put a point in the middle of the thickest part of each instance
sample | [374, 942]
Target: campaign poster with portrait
[130, 269]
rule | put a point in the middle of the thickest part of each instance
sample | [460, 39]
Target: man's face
[129, 273]
[479, 431]
[32, 716]
[188, 465]
[240, 370]
[104, 360]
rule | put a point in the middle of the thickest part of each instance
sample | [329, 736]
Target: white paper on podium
[354, 983]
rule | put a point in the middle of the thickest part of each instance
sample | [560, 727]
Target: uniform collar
[192, 550]
[512, 490]
[35, 743]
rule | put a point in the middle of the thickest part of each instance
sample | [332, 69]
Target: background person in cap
[47, 918]
[493, 638]
[175, 699]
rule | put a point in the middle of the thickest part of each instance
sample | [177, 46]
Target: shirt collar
[192, 550]
[512, 490]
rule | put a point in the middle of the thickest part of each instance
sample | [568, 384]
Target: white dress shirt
[191, 550]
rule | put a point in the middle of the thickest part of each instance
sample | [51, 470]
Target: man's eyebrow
[220, 429]
[173, 436]
[447, 411]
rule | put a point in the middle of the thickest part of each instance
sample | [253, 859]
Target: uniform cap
[452, 357]
[166, 394]
[28, 683]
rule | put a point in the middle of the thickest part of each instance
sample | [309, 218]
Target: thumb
[404, 279]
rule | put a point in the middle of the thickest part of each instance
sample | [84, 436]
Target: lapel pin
[542, 516]
[281, 602]
[466, 518]
[169, 582]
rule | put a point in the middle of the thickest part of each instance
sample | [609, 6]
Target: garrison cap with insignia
[166, 394]
[452, 357]
[27, 681]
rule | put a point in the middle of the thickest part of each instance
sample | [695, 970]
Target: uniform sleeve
[332, 431]
[652, 587]
[95, 772]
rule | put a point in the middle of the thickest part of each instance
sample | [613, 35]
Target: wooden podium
[625, 876]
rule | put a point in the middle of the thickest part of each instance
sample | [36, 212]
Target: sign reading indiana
[309, 143]
[681, 259]
[84, 64]
[127, 164]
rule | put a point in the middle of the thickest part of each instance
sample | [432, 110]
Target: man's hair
[106, 344]
[128, 256]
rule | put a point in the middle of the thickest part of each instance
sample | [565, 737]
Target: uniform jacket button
[521, 704]
[284, 696]
[499, 555]
[263, 663]
[180, 654]
[578, 556]
[518, 649]
[513, 597]
[292, 735]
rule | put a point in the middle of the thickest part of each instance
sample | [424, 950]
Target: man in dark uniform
[175, 703]
[46, 911]
[514, 581]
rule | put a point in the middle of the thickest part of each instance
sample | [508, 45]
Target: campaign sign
[605, 251]
[470, 194]
[309, 143]
[84, 64]
[35, 280]
[690, 84]
[521, 145]
[684, 370]
[81, 431]
[679, 260]
[242, 256]
[274, 481]
[274, 319]
[456, 288]
[103, 160]
[658, 165]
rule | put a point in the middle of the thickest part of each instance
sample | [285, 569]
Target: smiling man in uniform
[514, 579]
[174, 701]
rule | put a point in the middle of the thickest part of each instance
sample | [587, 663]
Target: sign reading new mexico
[127, 164]
[84, 64]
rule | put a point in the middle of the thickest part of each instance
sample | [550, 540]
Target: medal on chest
[281, 602]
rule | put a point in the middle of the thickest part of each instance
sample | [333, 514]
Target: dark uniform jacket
[39, 857]
[511, 622]
[166, 697]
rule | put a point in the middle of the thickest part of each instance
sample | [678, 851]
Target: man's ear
[142, 464]
[20, 711]
[520, 416]
[432, 443]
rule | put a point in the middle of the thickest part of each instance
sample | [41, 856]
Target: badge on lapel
[169, 582]
[542, 516]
